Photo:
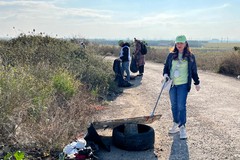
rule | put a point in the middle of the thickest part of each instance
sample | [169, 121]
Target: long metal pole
[152, 114]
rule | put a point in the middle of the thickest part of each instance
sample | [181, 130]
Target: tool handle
[152, 114]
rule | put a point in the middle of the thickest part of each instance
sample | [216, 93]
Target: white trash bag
[74, 147]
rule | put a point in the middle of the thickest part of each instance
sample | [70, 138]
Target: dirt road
[213, 118]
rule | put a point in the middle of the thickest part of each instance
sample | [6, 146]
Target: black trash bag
[117, 66]
[133, 65]
[93, 136]
[118, 74]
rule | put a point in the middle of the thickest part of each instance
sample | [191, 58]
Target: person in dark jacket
[140, 58]
[181, 67]
[126, 58]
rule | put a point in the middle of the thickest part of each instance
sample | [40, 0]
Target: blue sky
[122, 19]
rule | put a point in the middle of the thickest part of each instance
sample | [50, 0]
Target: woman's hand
[197, 87]
[165, 78]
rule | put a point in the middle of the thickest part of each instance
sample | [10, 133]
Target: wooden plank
[116, 122]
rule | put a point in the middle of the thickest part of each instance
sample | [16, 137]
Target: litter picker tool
[137, 120]
[163, 86]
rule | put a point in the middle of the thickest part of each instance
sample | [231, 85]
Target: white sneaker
[174, 128]
[183, 133]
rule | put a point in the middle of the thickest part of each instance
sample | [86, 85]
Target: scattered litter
[78, 150]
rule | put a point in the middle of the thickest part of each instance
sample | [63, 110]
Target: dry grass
[48, 87]
[230, 65]
[57, 125]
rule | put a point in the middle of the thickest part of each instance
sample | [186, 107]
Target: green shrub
[41, 99]
[97, 75]
[57, 53]
[31, 50]
[235, 48]
[65, 84]
[18, 86]
[21, 93]
[30, 112]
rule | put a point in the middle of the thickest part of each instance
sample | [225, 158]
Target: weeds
[47, 88]
[18, 155]
[65, 84]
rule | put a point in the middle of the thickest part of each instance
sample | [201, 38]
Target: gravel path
[213, 118]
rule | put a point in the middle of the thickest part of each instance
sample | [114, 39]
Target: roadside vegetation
[49, 88]
[48, 91]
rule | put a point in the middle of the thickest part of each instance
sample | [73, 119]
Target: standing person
[181, 67]
[140, 58]
[125, 56]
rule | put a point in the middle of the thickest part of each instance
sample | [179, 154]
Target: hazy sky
[121, 19]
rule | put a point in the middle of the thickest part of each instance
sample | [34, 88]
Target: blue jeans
[125, 67]
[178, 97]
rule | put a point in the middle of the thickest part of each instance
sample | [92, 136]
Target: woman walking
[181, 67]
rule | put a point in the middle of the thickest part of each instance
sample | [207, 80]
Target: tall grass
[231, 65]
[47, 89]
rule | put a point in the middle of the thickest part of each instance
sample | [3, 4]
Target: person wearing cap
[180, 66]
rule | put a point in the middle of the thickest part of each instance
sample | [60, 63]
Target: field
[210, 56]
[221, 45]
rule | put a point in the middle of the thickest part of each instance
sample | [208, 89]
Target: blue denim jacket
[192, 69]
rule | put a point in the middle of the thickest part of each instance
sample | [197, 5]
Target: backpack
[143, 48]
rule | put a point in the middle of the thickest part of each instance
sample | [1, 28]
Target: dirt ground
[213, 118]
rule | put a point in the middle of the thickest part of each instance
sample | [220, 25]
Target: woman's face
[180, 46]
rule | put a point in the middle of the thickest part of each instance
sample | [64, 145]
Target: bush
[230, 65]
[20, 90]
[58, 124]
[31, 113]
[31, 50]
[56, 53]
[41, 99]
[235, 48]
[98, 75]
[65, 84]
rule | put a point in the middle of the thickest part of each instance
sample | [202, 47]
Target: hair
[186, 51]
[126, 44]
[136, 40]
